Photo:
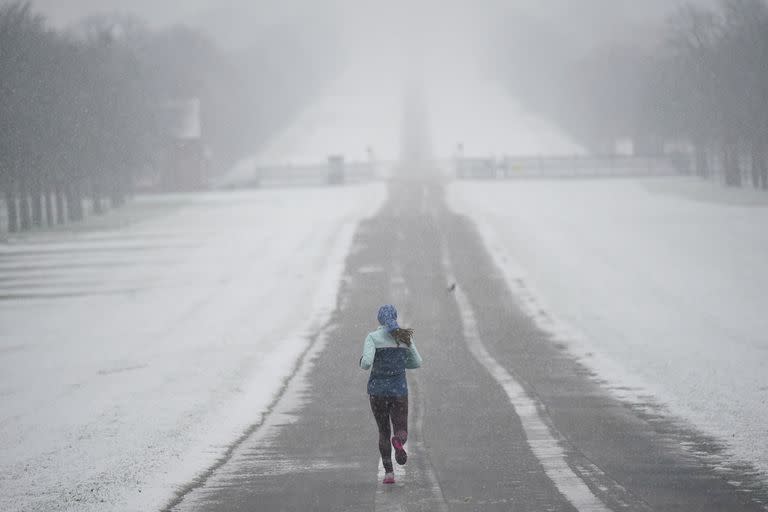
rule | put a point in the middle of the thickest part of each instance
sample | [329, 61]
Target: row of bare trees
[718, 75]
[698, 86]
[81, 114]
[59, 107]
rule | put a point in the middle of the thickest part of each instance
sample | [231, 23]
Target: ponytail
[403, 336]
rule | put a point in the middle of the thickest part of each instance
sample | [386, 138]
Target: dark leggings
[386, 409]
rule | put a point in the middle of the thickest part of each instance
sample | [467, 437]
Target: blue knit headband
[388, 317]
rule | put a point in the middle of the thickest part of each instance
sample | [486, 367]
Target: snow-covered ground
[487, 122]
[130, 357]
[659, 285]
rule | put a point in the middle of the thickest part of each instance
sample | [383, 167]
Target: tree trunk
[48, 207]
[117, 193]
[74, 202]
[59, 192]
[69, 195]
[25, 214]
[13, 211]
[762, 168]
[98, 205]
[36, 193]
[79, 197]
[702, 166]
[754, 165]
[731, 166]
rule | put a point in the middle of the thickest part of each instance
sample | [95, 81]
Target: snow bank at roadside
[653, 284]
[130, 358]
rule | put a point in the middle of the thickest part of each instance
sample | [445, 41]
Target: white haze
[451, 43]
[372, 27]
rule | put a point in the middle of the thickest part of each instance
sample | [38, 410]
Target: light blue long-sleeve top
[388, 362]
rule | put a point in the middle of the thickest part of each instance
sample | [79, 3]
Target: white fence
[578, 166]
[312, 174]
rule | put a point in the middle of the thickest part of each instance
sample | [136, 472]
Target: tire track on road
[543, 442]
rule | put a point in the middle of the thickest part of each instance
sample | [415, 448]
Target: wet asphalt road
[469, 449]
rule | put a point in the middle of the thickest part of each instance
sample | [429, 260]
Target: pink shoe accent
[400, 456]
[389, 478]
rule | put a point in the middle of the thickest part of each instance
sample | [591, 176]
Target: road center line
[437, 502]
[419, 470]
[542, 441]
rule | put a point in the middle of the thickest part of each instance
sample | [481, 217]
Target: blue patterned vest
[388, 373]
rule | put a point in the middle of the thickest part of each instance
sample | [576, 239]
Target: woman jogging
[387, 352]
